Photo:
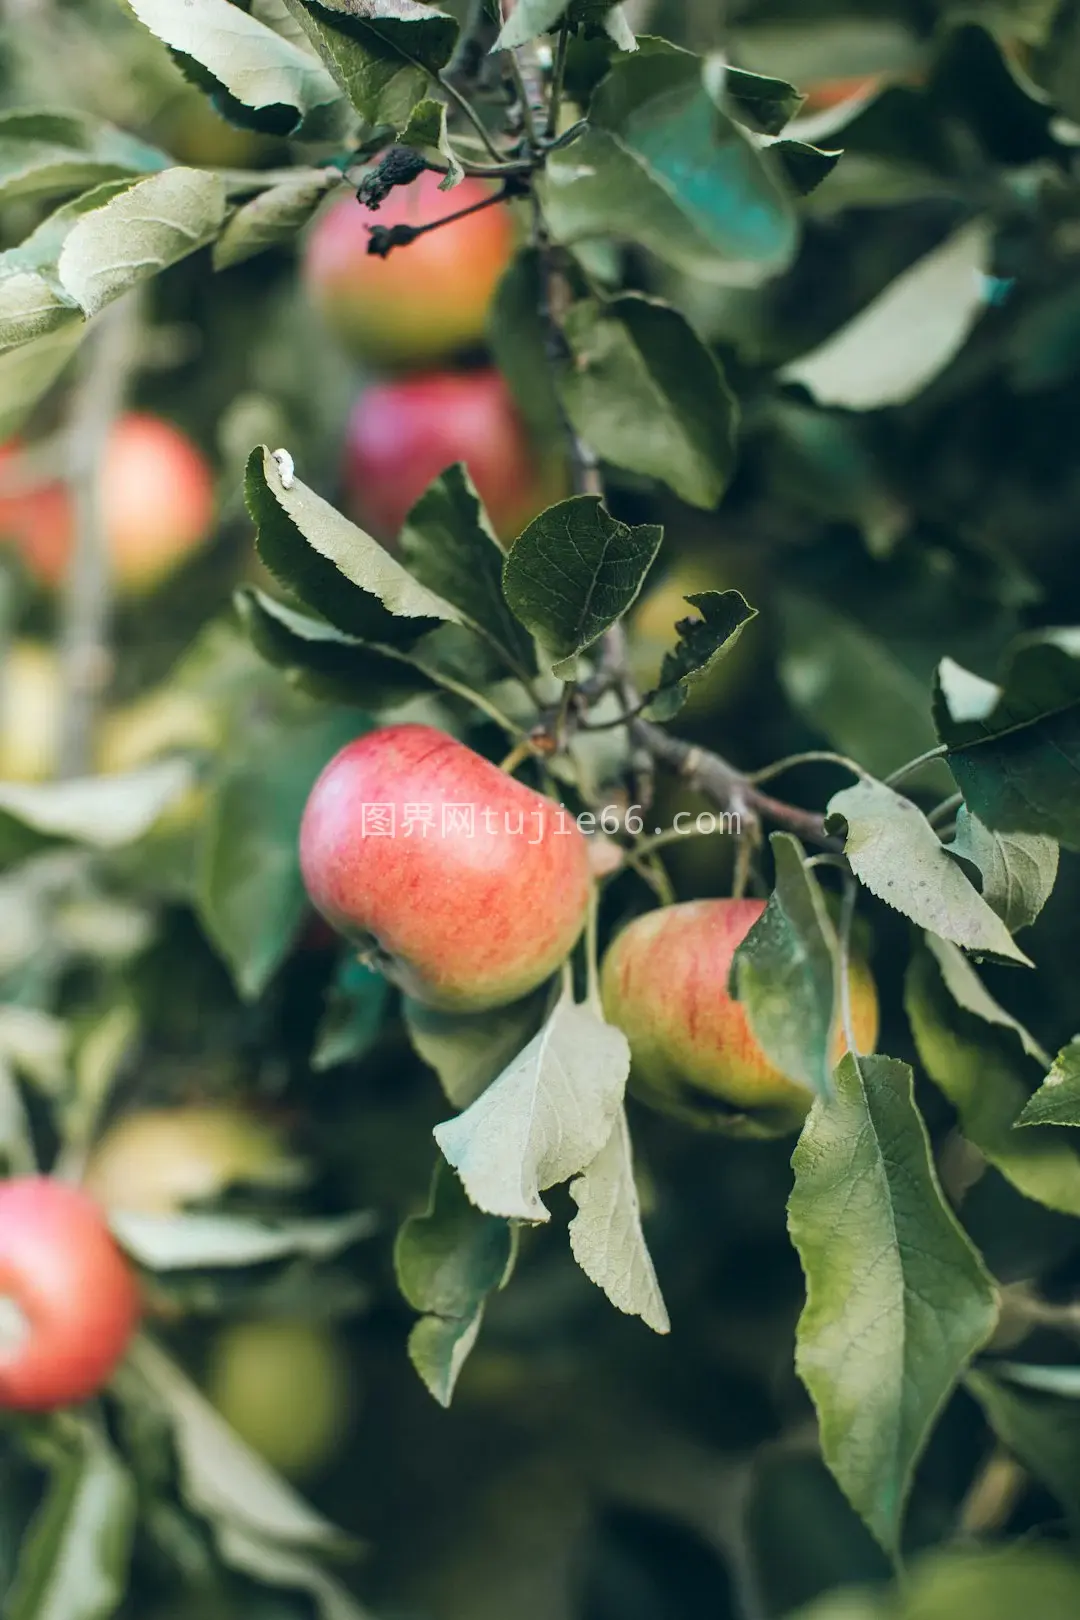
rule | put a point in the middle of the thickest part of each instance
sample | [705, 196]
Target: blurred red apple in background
[157, 498]
[424, 301]
[403, 434]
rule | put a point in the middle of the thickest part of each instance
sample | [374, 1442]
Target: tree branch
[110, 357]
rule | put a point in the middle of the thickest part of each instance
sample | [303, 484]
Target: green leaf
[250, 893]
[32, 303]
[31, 307]
[448, 544]
[74, 1562]
[272, 1564]
[28, 372]
[103, 812]
[544, 1119]
[1052, 1380]
[805, 166]
[518, 341]
[906, 336]
[139, 233]
[1057, 1101]
[983, 1072]
[45, 153]
[1014, 749]
[318, 554]
[705, 637]
[427, 131]
[222, 1478]
[762, 103]
[786, 971]
[1058, 62]
[647, 394]
[342, 669]
[897, 855]
[324, 661]
[575, 571]
[448, 1261]
[897, 1300]
[1042, 1431]
[1018, 870]
[205, 1242]
[990, 1583]
[355, 1008]
[383, 53]
[663, 166]
[272, 219]
[850, 687]
[533, 17]
[969, 992]
[262, 74]
[469, 1050]
[606, 1236]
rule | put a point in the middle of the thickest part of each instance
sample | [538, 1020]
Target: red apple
[664, 983]
[466, 887]
[423, 302]
[157, 498]
[69, 1303]
[402, 435]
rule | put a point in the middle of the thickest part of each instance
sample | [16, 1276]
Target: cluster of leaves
[872, 359]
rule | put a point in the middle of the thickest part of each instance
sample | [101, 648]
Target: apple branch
[111, 354]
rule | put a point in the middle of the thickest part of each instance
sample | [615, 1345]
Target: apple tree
[539, 809]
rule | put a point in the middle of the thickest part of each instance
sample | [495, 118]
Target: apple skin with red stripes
[664, 983]
[464, 886]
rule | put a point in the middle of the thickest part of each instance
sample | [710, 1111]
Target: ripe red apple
[402, 435]
[69, 1302]
[157, 497]
[423, 302]
[469, 888]
[664, 983]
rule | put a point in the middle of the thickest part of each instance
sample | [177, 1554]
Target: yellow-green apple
[286, 1387]
[30, 705]
[664, 982]
[157, 499]
[466, 887]
[423, 302]
[160, 1160]
[401, 435]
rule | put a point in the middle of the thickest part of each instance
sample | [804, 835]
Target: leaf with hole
[706, 636]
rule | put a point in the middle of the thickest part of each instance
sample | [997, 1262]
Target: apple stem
[517, 756]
